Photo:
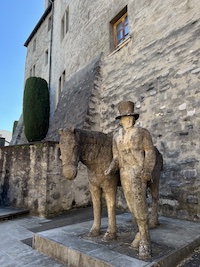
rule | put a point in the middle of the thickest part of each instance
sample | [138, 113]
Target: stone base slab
[172, 240]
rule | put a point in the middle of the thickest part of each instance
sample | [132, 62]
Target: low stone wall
[31, 177]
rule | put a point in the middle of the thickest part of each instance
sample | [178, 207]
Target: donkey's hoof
[136, 242]
[144, 250]
[109, 236]
[94, 232]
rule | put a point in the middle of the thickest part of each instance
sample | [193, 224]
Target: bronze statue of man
[134, 156]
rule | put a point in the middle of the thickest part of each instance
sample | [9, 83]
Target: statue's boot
[153, 222]
[144, 250]
[136, 242]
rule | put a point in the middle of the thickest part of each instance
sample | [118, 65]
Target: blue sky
[17, 20]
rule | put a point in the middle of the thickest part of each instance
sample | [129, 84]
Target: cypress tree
[36, 109]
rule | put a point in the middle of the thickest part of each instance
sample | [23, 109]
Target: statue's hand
[108, 171]
[146, 176]
[113, 168]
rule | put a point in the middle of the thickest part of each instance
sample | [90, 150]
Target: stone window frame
[119, 18]
[65, 24]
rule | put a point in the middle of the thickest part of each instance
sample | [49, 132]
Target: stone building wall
[85, 39]
[78, 105]
[31, 177]
[40, 39]
[47, 3]
[157, 67]
[162, 78]
[87, 36]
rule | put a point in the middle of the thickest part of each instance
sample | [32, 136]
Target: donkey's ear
[72, 129]
[60, 131]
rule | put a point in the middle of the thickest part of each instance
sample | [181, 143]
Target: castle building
[94, 54]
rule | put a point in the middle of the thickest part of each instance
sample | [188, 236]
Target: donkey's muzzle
[69, 171]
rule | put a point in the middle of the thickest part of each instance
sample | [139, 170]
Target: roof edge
[46, 13]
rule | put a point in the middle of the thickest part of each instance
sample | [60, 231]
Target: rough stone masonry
[163, 79]
[157, 67]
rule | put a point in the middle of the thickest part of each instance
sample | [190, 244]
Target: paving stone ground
[16, 235]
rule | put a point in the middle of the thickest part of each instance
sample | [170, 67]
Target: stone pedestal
[171, 242]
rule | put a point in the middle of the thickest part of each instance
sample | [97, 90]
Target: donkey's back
[96, 147]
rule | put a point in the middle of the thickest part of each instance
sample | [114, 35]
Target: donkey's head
[69, 152]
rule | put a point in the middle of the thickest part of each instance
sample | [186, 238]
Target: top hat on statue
[126, 108]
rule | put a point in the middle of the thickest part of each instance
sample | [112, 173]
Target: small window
[32, 71]
[46, 57]
[34, 44]
[33, 74]
[49, 23]
[63, 80]
[59, 86]
[119, 28]
[64, 24]
[61, 83]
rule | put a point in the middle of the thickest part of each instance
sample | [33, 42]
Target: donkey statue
[154, 188]
[94, 149]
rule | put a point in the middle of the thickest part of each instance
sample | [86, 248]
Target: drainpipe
[50, 49]
[51, 41]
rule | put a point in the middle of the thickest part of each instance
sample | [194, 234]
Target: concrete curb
[65, 245]
[175, 257]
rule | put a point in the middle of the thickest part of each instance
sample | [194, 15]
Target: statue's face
[127, 121]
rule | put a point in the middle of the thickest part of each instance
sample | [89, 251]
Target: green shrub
[36, 109]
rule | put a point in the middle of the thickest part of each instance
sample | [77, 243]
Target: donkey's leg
[96, 200]
[154, 187]
[110, 195]
[153, 222]
[145, 243]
